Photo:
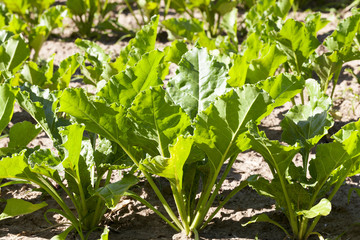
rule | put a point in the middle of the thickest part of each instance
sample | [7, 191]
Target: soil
[132, 220]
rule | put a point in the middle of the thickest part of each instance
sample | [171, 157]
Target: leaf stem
[147, 204]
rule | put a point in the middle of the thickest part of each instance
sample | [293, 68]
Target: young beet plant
[184, 133]
[304, 192]
[84, 164]
[83, 167]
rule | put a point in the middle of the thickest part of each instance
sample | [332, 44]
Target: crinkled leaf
[198, 81]
[98, 117]
[323, 208]
[45, 163]
[17, 207]
[307, 124]
[7, 100]
[93, 51]
[40, 105]
[219, 127]
[123, 87]
[112, 192]
[282, 88]
[108, 155]
[157, 123]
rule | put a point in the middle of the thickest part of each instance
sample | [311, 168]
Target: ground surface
[132, 220]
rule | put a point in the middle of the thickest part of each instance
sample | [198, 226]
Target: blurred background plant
[35, 19]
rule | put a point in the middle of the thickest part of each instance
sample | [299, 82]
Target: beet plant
[304, 192]
[82, 166]
[36, 19]
[185, 133]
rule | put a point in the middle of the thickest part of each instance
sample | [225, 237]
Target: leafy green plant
[266, 16]
[14, 52]
[44, 75]
[184, 133]
[342, 48]
[97, 66]
[147, 9]
[213, 13]
[87, 14]
[304, 193]
[84, 166]
[35, 19]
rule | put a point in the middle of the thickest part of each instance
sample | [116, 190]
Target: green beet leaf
[34, 74]
[307, 124]
[323, 208]
[43, 162]
[112, 192]
[17, 207]
[143, 42]
[282, 88]
[175, 51]
[13, 167]
[7, 100]
[157, 123]
[183, 28]
[297, 43]
[314, 22]
[93, 52]
[217, 129]
[123, 87]
[198, 81]
[62, 76]
[265, 218]
[277, 156]
[98, 117]
[72, 138]
[172, 167]
[265, 66]
[40, 104]
[18, 139]
[342, 38]
[13, 54]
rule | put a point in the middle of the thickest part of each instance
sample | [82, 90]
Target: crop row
[189, 132]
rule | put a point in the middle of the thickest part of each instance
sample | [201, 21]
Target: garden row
[189, 132]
